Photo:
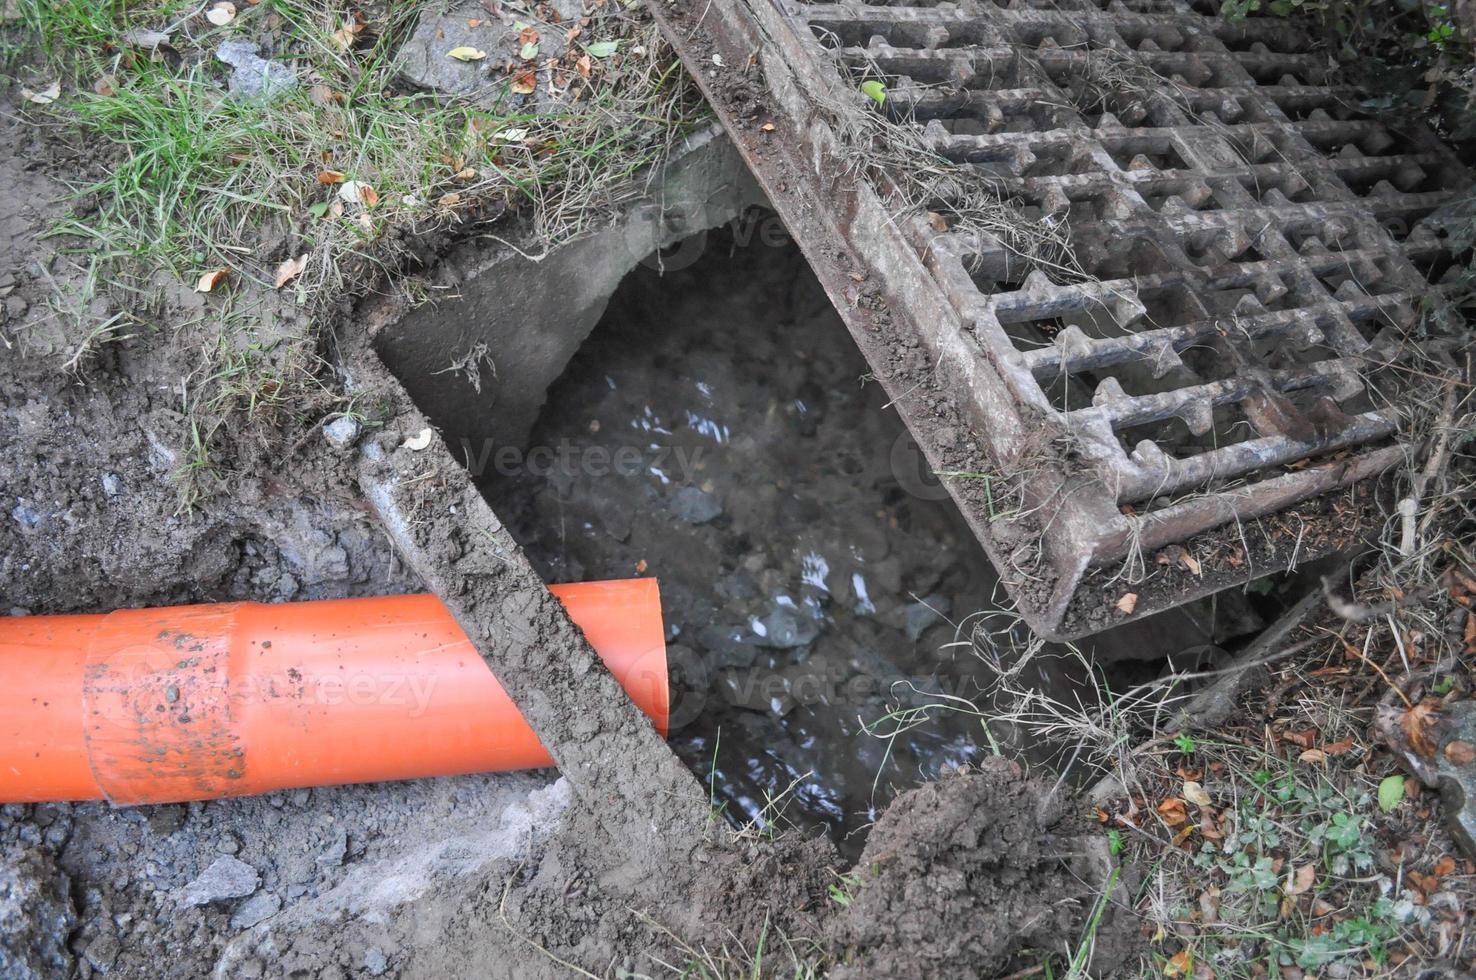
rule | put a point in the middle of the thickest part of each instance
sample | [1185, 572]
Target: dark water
[719, 432]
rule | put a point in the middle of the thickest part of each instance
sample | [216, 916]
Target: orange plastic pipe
[200, 702]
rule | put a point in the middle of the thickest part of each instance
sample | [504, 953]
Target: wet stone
[695, 506]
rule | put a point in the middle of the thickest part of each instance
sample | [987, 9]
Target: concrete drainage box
[1188, 412]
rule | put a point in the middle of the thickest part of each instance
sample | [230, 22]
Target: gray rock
[915, 618]
[36, 917]
[343, 432]
[756, 690]
[102, 951]
[375, 962]
[784, 627]
[727, 646]
[26, 517]
[253, 75]
[112, 485]
[257, 908]
[227, 877]
[695, 506]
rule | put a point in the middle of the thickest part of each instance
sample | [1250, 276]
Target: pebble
[256, 909]
[254, 75]
[785, 627]
[227, 877]
[695, 506]
[112, 484]
[375, 962]
[343, 432]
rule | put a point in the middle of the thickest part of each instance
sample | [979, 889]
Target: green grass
[188, 180]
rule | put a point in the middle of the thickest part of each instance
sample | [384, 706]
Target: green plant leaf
[1391, 792]
[528, 52]
[602, 49]
[875, 91]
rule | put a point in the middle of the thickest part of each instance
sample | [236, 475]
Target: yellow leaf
[1128, 603]
[1194, 793]
[466, 54]
[210, 280]
[290, 269]
[1312, 755]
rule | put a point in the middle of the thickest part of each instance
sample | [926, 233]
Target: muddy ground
[411, 879]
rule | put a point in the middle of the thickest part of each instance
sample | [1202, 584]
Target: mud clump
[36, 916]
[965, 874]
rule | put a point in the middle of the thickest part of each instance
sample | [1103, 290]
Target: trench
[711, 423]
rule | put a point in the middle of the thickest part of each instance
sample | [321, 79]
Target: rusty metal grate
[1250, 243]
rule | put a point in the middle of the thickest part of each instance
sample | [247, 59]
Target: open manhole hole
[709, 421]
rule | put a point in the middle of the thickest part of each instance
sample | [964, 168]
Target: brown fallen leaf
[290, 269]
[641, 567]
[1415, 724]
[473, 22]
[449, 200]
[211, 279]
[528, 35]
[1312, 756]
[1128, 603]
[1341, 747]
[1470, 633]
[331, 177]
[1444, 866]
[1301, 879]
[1192, 563]
[466, 54]
[937, 222]
[584, 65]
[1461, 752]
[524, 82]
[106, 85]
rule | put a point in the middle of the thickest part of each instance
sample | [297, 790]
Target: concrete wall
[479, 364]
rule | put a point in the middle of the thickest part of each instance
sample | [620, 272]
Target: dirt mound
[968, 874]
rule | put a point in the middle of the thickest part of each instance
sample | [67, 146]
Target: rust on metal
[1244, 244]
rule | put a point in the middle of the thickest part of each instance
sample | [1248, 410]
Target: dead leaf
[1192, 563]
[1128, 603]
[449, 200]
[1301, 879]
[767, 127]
[584, 65]
[641, 567]
[1342, 747]
[1461, 752]
[938, 223]
[524, 82]
[222, 13]
[1415, 724]
[470, 173]
[1304, 738]
[45, 96]
[528, 35]
[1444, 866]
[106, 85]
[1179, 964]
[473, 23]
[358, 192]
[1312, 756]
[1194, 793]
[330, 177]
[290, 269]
[466, 54]
[1470, 633]
[419, 441]
[211, 279]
